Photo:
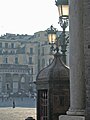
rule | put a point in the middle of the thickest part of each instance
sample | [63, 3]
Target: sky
[27, 16]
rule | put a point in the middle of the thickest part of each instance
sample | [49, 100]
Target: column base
[76, 112]
[66, 117]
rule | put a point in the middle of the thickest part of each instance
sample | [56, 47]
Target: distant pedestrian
[13, 104]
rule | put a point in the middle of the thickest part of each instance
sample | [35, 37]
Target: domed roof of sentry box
[57, 70]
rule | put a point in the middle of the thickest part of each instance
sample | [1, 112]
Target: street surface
[17, 113]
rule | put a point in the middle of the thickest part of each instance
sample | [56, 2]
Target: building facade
[21, 58]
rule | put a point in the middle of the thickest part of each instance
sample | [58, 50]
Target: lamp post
[63, 10]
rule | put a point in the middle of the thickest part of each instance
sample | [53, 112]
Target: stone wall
[86, 23]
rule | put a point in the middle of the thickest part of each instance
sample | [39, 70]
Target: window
[16, 60]
[15, 86]
[31, 70]
[15, 83]
[0, 45]
[0, 51]
[12, 45]
[7, 86]
[6, 60]
[42, 95]
[31, 51]
[12, 52]
[0, 78]
[30, 60]
[0, 86]
[38, 51]
[6, 45]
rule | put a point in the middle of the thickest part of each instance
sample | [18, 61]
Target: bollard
[29, 118]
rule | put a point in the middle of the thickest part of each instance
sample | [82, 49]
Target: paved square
[17, 113]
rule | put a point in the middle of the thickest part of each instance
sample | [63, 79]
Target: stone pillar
[77, 82]
[86, 20]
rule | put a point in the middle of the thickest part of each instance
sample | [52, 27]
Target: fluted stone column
[77, 82]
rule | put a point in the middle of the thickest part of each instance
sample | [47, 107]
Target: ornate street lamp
[63, 10]
[52, 38]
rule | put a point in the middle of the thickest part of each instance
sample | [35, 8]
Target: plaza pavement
[17, 113]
